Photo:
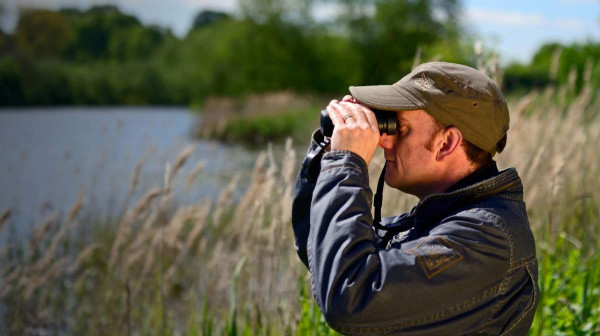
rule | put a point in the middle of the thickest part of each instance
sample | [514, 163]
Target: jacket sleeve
[447, 279]
[305, 184]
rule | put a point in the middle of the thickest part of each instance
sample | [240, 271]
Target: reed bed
[229, 267]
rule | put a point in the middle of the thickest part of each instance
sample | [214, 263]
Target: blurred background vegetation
[226, 266]
[102, 56]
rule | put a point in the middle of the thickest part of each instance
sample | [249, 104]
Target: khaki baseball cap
[454, 94]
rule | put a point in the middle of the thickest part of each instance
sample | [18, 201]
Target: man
[463, 260]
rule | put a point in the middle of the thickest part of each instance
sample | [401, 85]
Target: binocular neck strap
[379, 201]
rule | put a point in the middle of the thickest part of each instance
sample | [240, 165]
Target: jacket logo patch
[435, 254]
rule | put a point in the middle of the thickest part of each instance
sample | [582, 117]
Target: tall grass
[228, 267]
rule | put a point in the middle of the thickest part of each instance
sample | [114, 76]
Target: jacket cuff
[344, 159]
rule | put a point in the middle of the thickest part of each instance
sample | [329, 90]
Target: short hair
[478, 156]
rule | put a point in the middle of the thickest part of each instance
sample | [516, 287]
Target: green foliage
[207, 18]
[559, 65]
[311, 320]
[387, 43]
[274, 45]
[11, 82]
[43, 33]
[295, 123]
[95, 28]
[520, 77]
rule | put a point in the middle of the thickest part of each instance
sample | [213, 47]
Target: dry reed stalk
[7, 268]
[549, 91]
[41, 230]
[76, 208]
[62, 232]
[522, 105]
[43, 263]
[417, 59]
[494, 70]
[4, 216]
[180, 160]
[200, 212]
[478, 49]
[272, 168]
[153, 218]
[587, 71]
[83, 256]
[572, 78]
[142, 236]
[167, 179]
[582, 101]
[133, 257]
[287, 175]
[175, 226]
[136, 175]
[125, 225]
[167, 195]
[4, 251]
[16, 274]
[155, 244]
[251, 196]
[191, 178]
[35, 281]
[555, 63]
[146, 200]
[224, 198]
[288, 169]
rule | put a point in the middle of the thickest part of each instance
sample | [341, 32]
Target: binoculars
[386, 121]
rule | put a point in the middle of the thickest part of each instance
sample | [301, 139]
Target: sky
[515, 28]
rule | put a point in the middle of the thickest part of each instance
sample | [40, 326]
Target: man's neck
[454, 179]
[482, 173]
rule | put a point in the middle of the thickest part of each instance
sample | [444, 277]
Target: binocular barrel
[386, 121]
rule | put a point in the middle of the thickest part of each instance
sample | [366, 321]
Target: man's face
[410, 154]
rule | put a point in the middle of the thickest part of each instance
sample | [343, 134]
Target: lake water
[50, 155]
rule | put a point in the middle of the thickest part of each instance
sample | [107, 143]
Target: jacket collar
[432, 208]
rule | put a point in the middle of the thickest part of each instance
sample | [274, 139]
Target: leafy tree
[11, 83]
[135, 42]
[43, 33]
[263, 11]
[555, 63]
[387, 33]
[235, 57]
[94, 29]
[208, 17]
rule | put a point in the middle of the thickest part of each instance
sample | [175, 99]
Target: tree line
[102, 56]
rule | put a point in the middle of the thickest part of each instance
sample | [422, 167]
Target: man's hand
[355, 129]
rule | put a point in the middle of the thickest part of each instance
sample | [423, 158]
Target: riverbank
[228, 265]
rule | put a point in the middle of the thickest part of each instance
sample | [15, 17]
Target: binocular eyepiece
[386, 120]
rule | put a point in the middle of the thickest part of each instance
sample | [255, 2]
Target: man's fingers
[365, 118]
[358, 113]
[334, 114]
[372, 120]
[348, 99]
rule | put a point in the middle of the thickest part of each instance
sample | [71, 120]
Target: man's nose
[386, 141]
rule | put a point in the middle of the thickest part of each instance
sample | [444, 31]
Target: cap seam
[465, 84]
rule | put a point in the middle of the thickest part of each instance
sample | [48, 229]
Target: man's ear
[451, 139]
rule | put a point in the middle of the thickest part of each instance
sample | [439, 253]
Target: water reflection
[50, 155]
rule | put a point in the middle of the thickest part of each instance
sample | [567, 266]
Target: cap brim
[384, 97]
